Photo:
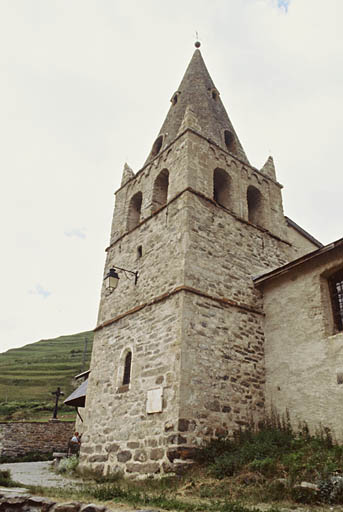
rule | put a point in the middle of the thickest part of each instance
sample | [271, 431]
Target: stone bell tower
[178, 357]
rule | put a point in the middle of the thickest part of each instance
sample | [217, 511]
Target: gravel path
[37, 473]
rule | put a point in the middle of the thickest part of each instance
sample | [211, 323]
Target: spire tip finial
[197, 43]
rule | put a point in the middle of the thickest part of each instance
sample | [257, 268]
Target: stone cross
[58, 393]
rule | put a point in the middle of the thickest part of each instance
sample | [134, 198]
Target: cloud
[39, 290]
[75, 232]
[283, 5]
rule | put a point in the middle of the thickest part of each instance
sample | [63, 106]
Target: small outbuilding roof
[83, 374]
[78, 396]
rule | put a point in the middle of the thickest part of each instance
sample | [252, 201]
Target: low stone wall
[22, 438]
[20, 502]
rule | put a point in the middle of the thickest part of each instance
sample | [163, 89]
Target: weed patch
[5, 479]
[68, 465]
[132, 494]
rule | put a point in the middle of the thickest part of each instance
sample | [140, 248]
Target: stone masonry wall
[22, 438]
[160, 267]
[301, 245]
[304, 357]
[223, 254]
[119, 434]
[222, 361]
[222, 370]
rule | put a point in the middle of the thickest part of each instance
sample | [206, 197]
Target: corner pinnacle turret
[198, 93]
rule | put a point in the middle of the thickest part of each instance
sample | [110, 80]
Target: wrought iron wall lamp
[112, 278]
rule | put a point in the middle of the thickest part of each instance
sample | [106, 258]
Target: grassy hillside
[32, 372]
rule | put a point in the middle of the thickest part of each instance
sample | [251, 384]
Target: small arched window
[255, 205]
[222, 190]
[156, 148]
[160, 191]
[127, 369]
[336, 294]
[134, 213]
[214, 94]
[175, 98]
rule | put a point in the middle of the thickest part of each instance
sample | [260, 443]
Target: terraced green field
[30, 373]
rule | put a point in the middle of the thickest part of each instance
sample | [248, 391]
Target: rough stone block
[156, 453]
[112, 448]
[98, 458]
[72, 506]
[124, 456]
[140, 455]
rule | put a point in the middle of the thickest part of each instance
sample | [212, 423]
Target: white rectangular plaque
[154, 400]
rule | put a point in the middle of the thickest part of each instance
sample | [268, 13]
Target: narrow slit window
[127, 369]
[336, 293]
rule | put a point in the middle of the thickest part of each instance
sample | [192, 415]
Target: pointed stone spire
[198, 93]
[127, 174]
[269, 168]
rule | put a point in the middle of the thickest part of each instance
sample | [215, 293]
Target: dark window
[134, 213]
[255, 206]
[174, 98]
[336, 292]
[222, 188]
[157, 146]
[160, 192]
[229, 140]
[139, 251]
[127, 369]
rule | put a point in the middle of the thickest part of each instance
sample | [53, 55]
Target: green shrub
[304, 495]
[213, 449]
[331, 490]
[276, 490]
[68, 465]
[5, 478]
[267, 466]
[226, 465]
[273, 449]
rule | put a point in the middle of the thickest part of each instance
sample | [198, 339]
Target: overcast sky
[85, 86]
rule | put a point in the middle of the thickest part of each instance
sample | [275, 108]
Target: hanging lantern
[112, 279]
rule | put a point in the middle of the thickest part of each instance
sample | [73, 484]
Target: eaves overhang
[303, 232]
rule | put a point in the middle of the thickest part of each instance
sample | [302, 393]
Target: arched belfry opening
[134, 213]
[160, 190]
[255, 206]
[222, 188]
